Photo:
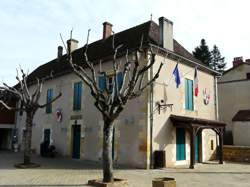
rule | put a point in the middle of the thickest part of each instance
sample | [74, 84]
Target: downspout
[151, 118]
[216, 108]
[216, 97]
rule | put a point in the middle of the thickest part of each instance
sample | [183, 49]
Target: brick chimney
[72, 44]
[107, 30]
[166, 33]
[59, 52]
[237, 61]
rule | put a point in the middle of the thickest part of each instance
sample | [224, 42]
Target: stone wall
[236, 153]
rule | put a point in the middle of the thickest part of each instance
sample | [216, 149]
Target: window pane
[102, 82]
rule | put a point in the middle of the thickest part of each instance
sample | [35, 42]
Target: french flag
[196, 88]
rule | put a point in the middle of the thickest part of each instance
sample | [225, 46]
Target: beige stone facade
[132, 135]
[132, 142]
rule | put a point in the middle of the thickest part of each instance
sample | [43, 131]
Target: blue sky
[30, 29]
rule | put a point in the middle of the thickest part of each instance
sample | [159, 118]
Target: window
[189, 95]
[49, 99]
[248, 75]
[180, 144]
[77, 96]
[108, 81]
[212, 144]
[102, 82]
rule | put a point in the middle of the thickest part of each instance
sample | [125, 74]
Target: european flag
[177, 76]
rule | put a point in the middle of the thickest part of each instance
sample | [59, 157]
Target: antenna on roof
[71, 32]
[151, 17]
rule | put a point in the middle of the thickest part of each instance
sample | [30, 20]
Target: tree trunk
[27, 139]
[107, 151]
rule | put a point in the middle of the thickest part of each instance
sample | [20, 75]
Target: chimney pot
[166, 33]
[107, 30]
[237, 61]
[59, 52]
[72, 44]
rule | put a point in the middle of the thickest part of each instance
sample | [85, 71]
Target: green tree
[218, 62]
[202, 53]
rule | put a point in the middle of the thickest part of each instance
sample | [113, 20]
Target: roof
[232, 68]
[101, 49]
[242, 115]
[197, 121]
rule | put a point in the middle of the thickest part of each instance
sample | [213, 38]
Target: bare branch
[8, 107]
[138, 93]
[53, 100]
[66, 49]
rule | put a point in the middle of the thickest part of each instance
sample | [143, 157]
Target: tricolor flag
[196, 88]
[177, 76]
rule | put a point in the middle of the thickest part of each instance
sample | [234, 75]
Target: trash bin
[159, 159]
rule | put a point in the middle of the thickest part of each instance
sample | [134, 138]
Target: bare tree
[112, 102]
[28, 103]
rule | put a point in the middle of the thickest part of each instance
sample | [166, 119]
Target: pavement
[69, 173]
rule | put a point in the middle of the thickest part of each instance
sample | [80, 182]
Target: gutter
[186, 59]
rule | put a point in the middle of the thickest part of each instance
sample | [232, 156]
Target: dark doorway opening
[5, 139]
[76, 141]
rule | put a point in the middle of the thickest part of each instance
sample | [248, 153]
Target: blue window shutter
[186, 94]
[102, 82]
[49, 98]
[190, 94]
[119, 80]
[77, 96]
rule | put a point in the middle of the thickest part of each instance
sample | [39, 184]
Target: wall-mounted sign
[76, 117]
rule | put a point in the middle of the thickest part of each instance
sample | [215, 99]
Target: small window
[248, 75]
[212, 144]
[77, 96]
[108, 81]
[102, 82]
[189, 103]
[49, 99]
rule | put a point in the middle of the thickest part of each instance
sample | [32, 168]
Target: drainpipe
[216, 97]
[151, 94]
[216, 104]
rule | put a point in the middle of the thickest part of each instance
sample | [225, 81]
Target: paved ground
[68, 172]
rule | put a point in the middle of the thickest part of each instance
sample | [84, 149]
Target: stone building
[164, 118]
[233, 92]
